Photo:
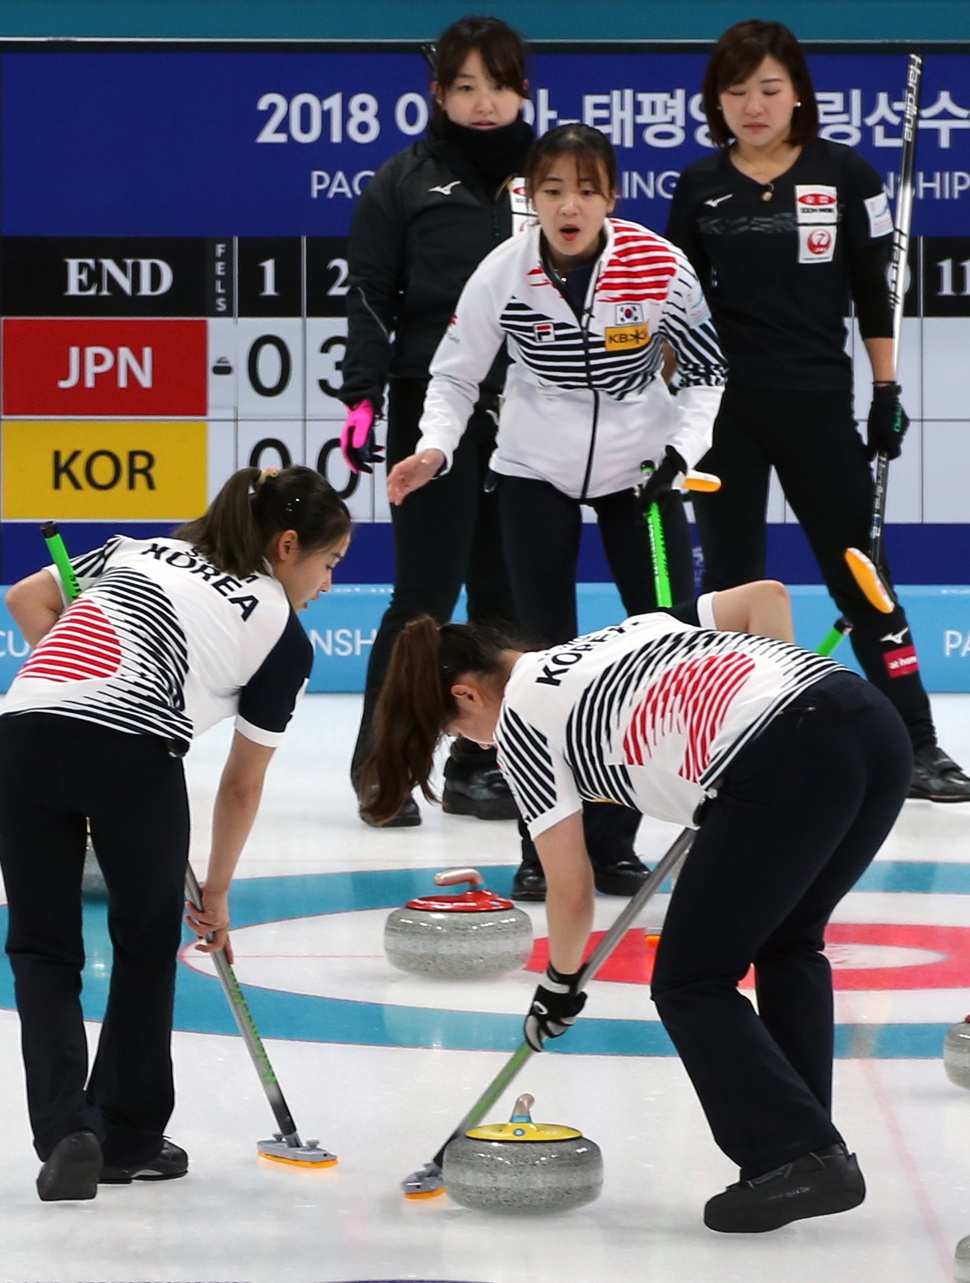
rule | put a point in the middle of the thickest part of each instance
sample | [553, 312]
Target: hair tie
[265, 475]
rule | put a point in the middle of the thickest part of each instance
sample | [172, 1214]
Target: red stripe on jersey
[538, 276]
[81, 645]
[690, 700]
[641, 267]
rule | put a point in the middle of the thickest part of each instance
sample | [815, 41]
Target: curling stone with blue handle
[521, 1167]
[956, 1053]
[459, 937]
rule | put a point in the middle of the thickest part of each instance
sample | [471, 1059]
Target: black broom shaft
[897, 275]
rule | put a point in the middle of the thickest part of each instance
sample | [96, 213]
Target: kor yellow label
[91, 471]
[626, 338]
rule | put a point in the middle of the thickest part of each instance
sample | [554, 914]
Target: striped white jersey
[585, 402]
[162, 643]
[648, 714]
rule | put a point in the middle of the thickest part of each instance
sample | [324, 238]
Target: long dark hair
[503, 51]
[254, 506]
[739, 51]
[416, 704]
[591, 150]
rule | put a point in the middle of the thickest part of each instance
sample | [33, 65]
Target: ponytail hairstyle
[591, 151]
[416, 704]
[255, 506]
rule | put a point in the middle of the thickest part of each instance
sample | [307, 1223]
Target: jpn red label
[105, 367]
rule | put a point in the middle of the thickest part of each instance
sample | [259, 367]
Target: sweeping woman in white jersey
[169, 636]
[792, 769]
[587, 304]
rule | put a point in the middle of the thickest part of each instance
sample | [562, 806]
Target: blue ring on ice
[201, 1006]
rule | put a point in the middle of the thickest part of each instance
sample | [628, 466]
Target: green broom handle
[658, 549]
[59, 555]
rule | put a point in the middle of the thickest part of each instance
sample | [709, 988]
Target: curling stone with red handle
[521, 1167]
[459, 937]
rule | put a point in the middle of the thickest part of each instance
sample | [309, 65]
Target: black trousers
[445, 535]
[810, 440]
[541, 529]
[797, 818]
[54, 772]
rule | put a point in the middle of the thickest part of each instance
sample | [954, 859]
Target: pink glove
[357, 444]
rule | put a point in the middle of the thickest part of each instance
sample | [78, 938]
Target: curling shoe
[529, 882]
[622, 877]
[408, 816]
[817, 1184]
[937, 777]
[475, 786]
[72, 1169]
[168, 1164]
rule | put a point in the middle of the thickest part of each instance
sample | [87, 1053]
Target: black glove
[661, 480]
[555, 1005]
[887, 422]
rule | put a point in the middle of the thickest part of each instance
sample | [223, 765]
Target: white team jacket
[585, 402]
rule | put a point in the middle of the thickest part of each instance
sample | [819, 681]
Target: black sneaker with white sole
[817, 1184]
[168, 1164]
[72, 1169]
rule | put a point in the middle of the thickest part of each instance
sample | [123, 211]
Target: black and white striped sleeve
[468, 348]
[88, 567]
[541, 783]
[701, 369]
[689, 329]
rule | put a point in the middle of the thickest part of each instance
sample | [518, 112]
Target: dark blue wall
[561, 20]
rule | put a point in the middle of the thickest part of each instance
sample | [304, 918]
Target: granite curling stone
[961, 1261]
[956, 1053]
[459, 937]
[521, 1167]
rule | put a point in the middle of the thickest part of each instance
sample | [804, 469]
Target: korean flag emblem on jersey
[629, 314]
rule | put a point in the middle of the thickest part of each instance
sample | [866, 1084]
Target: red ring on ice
[632, 961]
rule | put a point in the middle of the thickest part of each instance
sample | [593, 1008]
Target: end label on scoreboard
[93, 471]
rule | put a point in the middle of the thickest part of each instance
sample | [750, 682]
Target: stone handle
[449, 877]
